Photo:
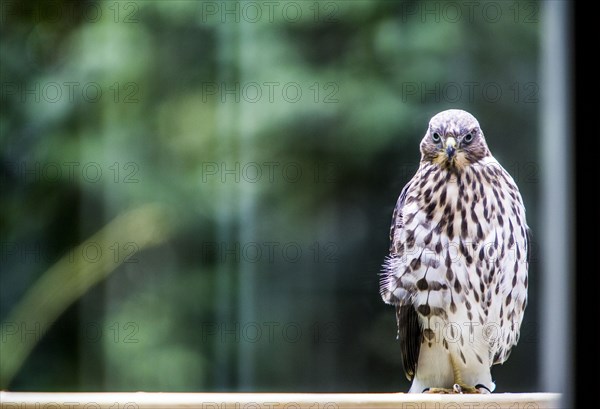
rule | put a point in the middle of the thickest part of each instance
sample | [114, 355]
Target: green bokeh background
[277, 136]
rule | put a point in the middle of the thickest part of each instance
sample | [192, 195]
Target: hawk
[458, 260]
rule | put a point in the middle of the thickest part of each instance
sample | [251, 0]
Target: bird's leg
[447, 390]
[459, 386]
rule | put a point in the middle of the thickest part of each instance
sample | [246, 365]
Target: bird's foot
[464, 389]
[439, 390]
[459, 389]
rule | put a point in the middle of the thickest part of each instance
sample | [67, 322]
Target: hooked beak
[450, 147]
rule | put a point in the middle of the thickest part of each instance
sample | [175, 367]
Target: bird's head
[453, 140]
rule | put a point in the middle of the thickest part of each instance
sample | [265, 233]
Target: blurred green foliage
[281, 134]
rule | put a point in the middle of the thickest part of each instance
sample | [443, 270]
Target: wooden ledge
[152, 400]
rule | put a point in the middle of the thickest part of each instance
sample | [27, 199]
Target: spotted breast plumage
[458, 262]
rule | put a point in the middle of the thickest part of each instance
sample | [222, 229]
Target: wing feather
[409, 336]
[397, 222]
[407, 319]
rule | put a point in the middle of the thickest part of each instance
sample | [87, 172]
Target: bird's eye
[435, 137]
[468, 138]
